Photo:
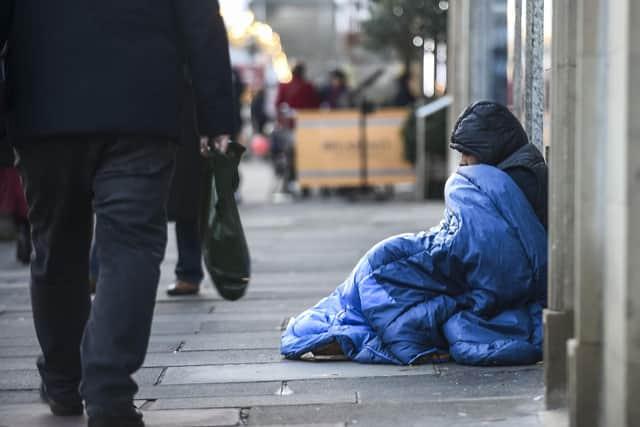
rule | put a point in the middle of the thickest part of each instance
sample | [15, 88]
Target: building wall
[604, 354]
[621, 348]
[306, 28]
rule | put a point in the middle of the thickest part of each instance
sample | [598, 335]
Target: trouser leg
[131, 188]
[56, 175]
[189, 265]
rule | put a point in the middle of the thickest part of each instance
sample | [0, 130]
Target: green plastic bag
[224, 246]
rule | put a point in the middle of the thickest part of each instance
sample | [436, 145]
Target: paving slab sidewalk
[216, 363]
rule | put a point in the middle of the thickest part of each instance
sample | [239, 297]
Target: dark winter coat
[115, 67]
[529, 171]
[186, 188]
[189, 175]
[6, 14]
[491, 133]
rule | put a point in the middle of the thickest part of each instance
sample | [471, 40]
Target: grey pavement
[216, 363]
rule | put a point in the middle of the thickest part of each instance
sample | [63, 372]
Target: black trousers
[127, 181]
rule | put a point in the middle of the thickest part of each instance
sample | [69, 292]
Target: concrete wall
[622, 297]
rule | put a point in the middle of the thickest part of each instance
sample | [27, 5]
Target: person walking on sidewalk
[95, 90]
[185, 199]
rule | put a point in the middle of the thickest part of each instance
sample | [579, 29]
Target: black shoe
[132, 419]
[61, 408]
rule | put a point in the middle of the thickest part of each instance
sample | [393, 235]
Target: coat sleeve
[206, 50]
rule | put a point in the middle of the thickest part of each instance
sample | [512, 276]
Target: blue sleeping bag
[472, 287]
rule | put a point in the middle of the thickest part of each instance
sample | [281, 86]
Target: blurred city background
[373, 65]
[346, 107]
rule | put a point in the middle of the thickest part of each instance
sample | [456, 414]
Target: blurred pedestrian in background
[403, 96]
[336, 94]
[259, 116]
[14, 205]
[299, 93]
[238, 91]
[185, 200]
[95, 118]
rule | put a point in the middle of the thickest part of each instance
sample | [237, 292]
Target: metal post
[423, 162]
[480, 45]
[421, 159]
[363, 145]
[534, 73]
[517, 62]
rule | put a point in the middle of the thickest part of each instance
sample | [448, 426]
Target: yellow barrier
[328, 150]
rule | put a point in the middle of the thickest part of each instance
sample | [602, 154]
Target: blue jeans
[189, 266]
[97, 347]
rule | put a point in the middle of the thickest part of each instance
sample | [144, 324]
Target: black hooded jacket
[491, 133]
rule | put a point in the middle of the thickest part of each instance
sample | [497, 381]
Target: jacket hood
[489, 131]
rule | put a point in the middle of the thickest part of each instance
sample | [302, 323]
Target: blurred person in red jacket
[299, 93]
[14, 205]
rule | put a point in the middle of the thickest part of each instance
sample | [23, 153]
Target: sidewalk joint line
[181, 344]
[147, 403]
[161, 376]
